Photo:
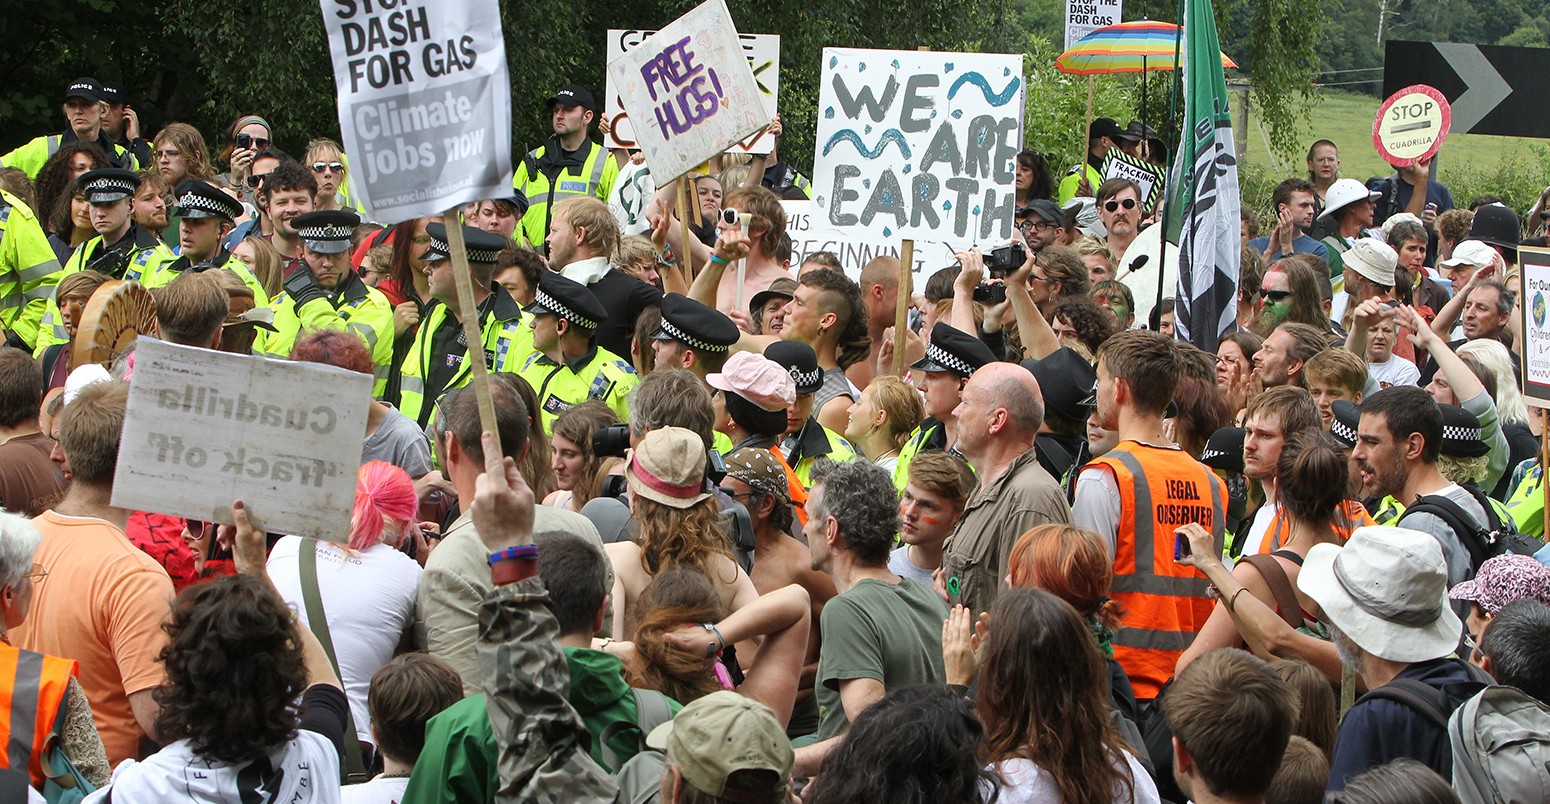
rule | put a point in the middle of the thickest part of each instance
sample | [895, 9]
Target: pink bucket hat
[1503, 579]
[757, 379]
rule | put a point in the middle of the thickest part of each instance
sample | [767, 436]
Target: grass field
[1346, 119]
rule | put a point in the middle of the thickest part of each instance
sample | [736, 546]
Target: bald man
[998, 420]
[880, 295]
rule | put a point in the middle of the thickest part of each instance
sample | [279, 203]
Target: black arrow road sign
[1493, 90]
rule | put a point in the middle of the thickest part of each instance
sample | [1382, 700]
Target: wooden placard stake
[468, 313]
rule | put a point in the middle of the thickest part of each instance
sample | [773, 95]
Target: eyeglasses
[37, 573]
[734, 494]
[169, 153]
[319, 167]
[259, 143]
[1276, 296]
[1040, 225]
[1110, 206]
[1037, 278]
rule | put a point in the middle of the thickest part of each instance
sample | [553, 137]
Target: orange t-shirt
[102, 604]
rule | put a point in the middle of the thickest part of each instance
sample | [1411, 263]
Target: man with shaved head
[1135, 497]
[880, 296]
[998, 419]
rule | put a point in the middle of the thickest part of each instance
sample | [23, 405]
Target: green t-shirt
[888, 632]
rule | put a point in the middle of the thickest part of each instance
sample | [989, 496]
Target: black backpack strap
[355, 771]
[1427, 701]
[1469, 534]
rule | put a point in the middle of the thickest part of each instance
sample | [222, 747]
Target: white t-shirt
[303, 771]
[1027, 783]
[1395, 371]
[1258, 527]
[381, 790]
[369, 599]
[899, 563]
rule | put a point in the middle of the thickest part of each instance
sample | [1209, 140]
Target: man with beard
[150, 203]
[1397, 444]
[1135, 496]
[567, 165]
[330, 295]
[1280, 360]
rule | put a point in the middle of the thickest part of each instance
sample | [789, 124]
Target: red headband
[661, 486]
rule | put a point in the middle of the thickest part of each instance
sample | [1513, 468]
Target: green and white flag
[1202, 206]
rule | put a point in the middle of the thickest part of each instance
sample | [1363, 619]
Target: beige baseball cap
[720, 734]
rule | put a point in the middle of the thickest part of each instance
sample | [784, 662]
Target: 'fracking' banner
[919, 145]
[688, 91]
[204, 428]
[424, 102]
[763, 52]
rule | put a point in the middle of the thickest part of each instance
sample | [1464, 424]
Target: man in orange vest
[1135, 496]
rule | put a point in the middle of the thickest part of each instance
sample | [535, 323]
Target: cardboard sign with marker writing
[205, 428]
[1147, 176]
[763, 52]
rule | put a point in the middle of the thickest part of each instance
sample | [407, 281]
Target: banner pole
[1544, 461]
[1087, 125]
[468, 312]
[902, 305]
[683, 228]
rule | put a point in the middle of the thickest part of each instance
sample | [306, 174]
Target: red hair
[1069, 563]
[334, 348]
[385, 505]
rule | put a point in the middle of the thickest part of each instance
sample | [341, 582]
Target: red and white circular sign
[1411, 125]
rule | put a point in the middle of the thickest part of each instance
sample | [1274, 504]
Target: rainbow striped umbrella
[1129, 47]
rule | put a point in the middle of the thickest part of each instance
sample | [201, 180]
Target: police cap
[326, 231]
[198, 199]
[954, 350]
[692, 323]
[568, 299]
[107, 185]
[799, 359]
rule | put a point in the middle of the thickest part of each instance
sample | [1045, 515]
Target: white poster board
[1535, 265]
[1085, 16]
[919, 145]
[424, 103]
[810, 234]
[763, 53]
[205, 428]
[688, 91]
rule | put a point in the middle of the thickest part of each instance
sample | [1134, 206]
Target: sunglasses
[319, 167]
[1276, 296]
[259, 143]
[1110, 206]
[256, 179]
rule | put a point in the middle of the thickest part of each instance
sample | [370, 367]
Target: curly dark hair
[1093, 324]
[916, 745]
[234, 670]
[55, 179]
[843, 298]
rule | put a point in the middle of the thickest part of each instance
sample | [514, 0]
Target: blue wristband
[518, 553]
[718, 260]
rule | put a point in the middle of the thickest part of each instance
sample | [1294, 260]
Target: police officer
[122, 249]
[952, 356]
[328, 294]
[806, 440]
[437, 361]
[692, 336]
[567, 366]
[1083, 179]
[28, 272]
[567, 165]
[122, 124]
[84, 110]
[205, 215]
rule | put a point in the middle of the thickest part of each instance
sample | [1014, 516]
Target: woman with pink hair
[366, 586]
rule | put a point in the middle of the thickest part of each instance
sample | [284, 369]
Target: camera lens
[612, 440]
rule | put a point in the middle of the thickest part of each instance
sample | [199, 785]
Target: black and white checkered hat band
[805, 379]
[1342, 432]
[948, 360]
[679, 335]
[111, 185]
[206, 204]
[439, 250]
[555, 306]
[1467, 435]
[327, 232]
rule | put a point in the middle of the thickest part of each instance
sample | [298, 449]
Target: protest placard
[1535, 265]
[1147, 176]
[688, 90]
[810, 234]
[1085, 16]
[424, 103]
[919, 145]
[205, 428]
[763, 53]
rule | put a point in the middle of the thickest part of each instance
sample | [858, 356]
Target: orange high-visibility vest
[1348, 517]
[32, 692]
[798, 491]
[1165, 602]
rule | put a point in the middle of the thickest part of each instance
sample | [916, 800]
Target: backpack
[1496, 538]
[1501, 747]
[639, 777]
[1432, 703]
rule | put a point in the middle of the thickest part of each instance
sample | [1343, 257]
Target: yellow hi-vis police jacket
[355, 308]
[507, 340]
[599, 374]
[28, 270]
[546, 179]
